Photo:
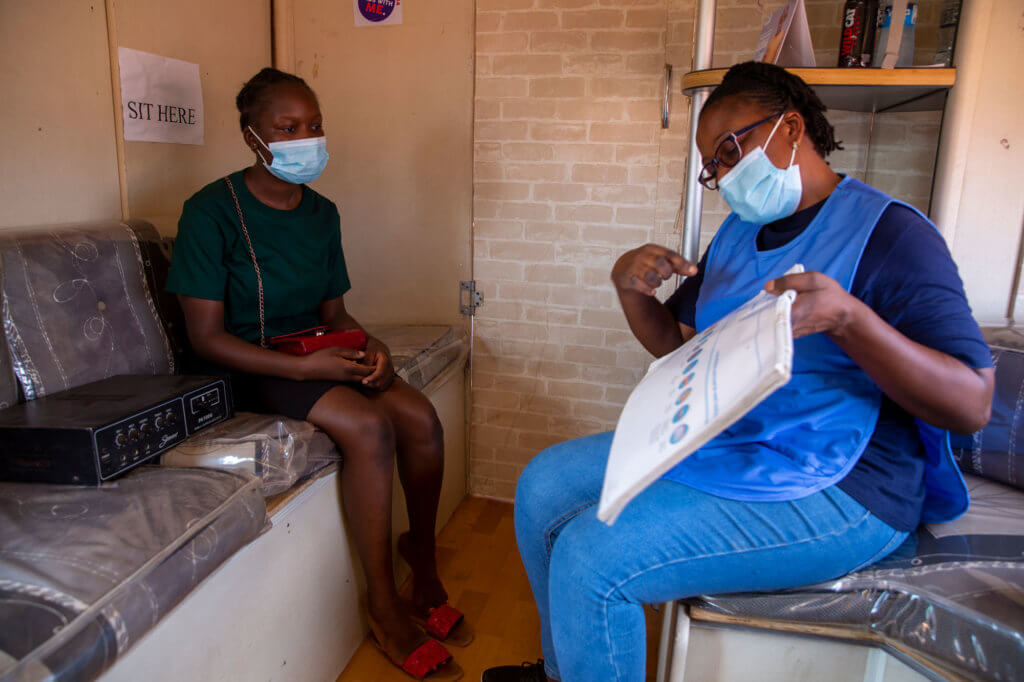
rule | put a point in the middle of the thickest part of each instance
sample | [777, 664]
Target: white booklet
[697, 391]
[786, 37]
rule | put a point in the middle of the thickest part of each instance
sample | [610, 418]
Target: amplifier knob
[159, 422]
[172, 418]
[133, 433]
[146, 429]
[120, 439]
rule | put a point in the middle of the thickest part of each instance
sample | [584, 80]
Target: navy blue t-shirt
[907, 276]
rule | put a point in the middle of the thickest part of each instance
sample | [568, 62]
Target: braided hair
[256, 92]
[779, 90]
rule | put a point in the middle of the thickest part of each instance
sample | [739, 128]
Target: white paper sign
[377, 12]
[161, 98]
[697, 391]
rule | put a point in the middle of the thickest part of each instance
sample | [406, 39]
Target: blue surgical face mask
[296, 161]
[760, 192]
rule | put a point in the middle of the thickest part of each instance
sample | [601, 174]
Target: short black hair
[256, 91]
[779, 90]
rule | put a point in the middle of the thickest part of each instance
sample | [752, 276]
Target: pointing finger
[681, 265]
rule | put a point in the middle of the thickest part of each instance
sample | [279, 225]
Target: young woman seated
[828, 475]
[267, 214]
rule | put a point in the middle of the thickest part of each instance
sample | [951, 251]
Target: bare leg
[420, 441]
[366, 438]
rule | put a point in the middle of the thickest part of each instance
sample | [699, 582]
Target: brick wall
[566, 178]
[572, 168]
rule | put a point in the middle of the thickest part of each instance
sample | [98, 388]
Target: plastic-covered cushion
[280, 451]
[953, 593]
[77, 308]
[86, 572]
[421, 353]
[156, 259]
[997, 451]
[8, 382]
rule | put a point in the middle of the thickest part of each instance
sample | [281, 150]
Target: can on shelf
[854, 28]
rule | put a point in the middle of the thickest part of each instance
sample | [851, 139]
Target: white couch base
[728, 655]
[696, 651]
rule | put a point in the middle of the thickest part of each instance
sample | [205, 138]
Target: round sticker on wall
[377, 10]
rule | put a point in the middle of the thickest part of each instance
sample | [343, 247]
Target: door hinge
[472, 299]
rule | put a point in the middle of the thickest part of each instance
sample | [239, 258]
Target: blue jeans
[590, 581]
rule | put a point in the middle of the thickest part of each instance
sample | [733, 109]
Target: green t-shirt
[298, 251]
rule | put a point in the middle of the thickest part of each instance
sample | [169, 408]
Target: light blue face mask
[296, 161]
[760, 192]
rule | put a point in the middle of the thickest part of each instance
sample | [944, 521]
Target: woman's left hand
[379, 357]
[821, 304]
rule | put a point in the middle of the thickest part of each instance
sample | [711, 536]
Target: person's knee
[417, 422]
[537, 494]
[577, 570]
[377, 430]
[362, 433]
[533, 485]
[427, 425]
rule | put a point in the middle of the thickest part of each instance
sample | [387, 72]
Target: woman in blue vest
[829, 474]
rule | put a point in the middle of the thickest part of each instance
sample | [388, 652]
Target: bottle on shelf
[870, 26]
[907, 43]
[851, 42]
[885, 23]
[948, 22]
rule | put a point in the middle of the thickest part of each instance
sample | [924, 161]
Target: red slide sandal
[445, 623]
[428, 659]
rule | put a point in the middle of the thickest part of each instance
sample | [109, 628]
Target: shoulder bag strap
[255, 265]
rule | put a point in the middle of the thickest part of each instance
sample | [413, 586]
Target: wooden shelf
[910, 89]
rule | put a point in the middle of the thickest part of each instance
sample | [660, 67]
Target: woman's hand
[646, 268]
[336, 364]
[378, 359]
[821, 305]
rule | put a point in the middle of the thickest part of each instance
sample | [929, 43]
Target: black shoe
[527, 672]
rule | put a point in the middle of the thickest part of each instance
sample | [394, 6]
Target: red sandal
[429, 658]
[445, 623]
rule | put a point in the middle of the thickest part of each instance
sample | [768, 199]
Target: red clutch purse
[310, 340]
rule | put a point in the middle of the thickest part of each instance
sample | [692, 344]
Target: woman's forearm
[931, 385]
[651, 322]
[232, 352]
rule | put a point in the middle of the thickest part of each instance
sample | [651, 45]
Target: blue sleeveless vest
[810, 433]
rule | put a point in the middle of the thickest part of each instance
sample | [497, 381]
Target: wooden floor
[481, 570]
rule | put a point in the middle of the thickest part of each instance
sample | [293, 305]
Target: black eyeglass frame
[709, 173]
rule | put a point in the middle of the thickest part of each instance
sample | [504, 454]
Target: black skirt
[266, 394]
[274, 395]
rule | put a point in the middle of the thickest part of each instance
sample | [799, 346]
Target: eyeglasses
[727, 154]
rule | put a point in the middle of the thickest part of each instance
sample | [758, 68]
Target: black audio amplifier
[98, 431]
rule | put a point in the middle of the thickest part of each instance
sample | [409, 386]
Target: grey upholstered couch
[86, 572]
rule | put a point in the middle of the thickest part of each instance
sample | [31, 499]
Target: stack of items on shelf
[868, 38]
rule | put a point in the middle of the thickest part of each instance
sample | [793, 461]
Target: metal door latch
[469, 302]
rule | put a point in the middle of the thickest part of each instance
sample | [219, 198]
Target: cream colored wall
[979, 197]
[57, 135]
[230, 40]
[397, 104]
